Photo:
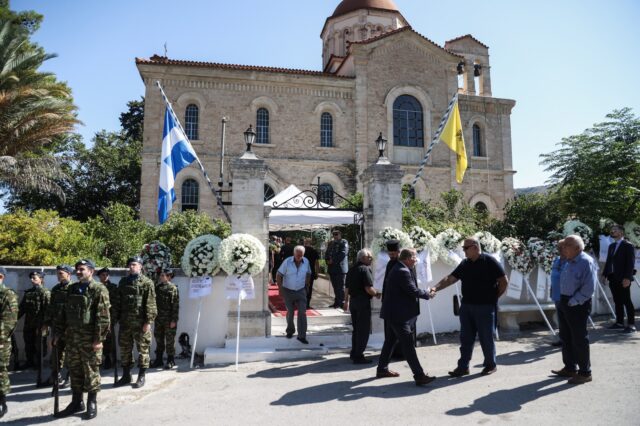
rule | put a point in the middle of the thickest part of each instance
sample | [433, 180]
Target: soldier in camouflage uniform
[168, 301]
[33, 306]
[84, 322]
[56, 306]
[103, 274]
[136, 310]
[8, 320]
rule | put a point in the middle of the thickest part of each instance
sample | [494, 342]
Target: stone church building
[379, 75]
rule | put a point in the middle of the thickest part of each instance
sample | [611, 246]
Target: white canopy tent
[299, 209]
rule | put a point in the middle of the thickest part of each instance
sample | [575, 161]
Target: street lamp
[381, 143]
[249, 137]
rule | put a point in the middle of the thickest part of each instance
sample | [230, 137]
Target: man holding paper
[483, 282]
[293, 278]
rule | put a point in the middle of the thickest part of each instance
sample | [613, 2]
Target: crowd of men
[80, 318]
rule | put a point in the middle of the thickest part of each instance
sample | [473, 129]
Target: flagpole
[204, 172]
[435, 139]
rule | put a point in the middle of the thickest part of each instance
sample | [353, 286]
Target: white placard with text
[199, 287]
[239, 286]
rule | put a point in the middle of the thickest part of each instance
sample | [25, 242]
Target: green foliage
[44, 238]
[123, 235]
[598, 171]
[183, 227]
[530, 215]
[451, 211]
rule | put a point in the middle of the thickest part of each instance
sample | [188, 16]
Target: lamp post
[381, 143]
[249, 139]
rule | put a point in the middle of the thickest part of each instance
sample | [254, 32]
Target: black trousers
[622, 300]
[573, 333]
[401, 333]
[33, 346]
[337, 282]
[309, 291]
[360, 308]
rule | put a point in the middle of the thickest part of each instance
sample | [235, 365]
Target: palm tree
[34, 107]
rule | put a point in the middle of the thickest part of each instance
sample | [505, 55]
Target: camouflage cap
[104, 271]
[168, 271]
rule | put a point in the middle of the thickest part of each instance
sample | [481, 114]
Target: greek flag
[177, 153]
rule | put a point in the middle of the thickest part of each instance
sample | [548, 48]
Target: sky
[566, 63]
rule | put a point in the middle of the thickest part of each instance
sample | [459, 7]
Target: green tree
[598, 171]
[34, 108]
[122, 233]
[530, 215]
[183, 227]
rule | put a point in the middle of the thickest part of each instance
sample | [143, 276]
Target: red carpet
[276, 304]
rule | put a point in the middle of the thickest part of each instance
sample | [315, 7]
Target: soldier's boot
[126, 377]
[3, 405]
[107, 364]
[92, 406]
[140, 382]
[170, 363]
[76, 406]
[157, 363]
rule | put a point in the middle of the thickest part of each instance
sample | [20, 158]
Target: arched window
[269, 193]
[408, 129]
[190, 195]
[477, 142]
[325, 193]
[481, 207]
[191, 122]
[326, 130]
[262, 126]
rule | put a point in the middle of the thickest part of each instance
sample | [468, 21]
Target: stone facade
[358, 90]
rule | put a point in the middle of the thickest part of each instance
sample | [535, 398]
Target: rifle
[114, 353]
[56, 382]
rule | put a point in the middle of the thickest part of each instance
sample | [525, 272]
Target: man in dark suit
[618, 269]
[400, 308]
[337, 260]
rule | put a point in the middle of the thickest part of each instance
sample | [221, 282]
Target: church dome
[347, 6]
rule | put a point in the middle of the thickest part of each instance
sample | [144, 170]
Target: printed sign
[381, 265]
[239, 286]
[199, 287]
[542, 290]
[423, 269]
[605, 242]
[514, 289]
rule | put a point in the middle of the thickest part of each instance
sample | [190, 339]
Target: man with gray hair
[293, 278]
[578, 281]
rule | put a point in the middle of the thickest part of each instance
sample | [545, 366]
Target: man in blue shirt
[293, 278]
[578, 280]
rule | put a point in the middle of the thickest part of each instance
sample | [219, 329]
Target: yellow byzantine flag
[453, 137]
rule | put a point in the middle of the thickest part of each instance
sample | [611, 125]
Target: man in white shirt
[293, 278]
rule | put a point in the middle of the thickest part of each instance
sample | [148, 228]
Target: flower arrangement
[321, 235]
[200, 256]
[632, 232]
[155, 257]
[517, 255]
[422, 239]
[387, 234]
[554, 236]
[488, 242]
[242, 254]
[578, 228]
[446, 242]
[543, 252]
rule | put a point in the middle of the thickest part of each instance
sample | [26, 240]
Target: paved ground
[332, 391]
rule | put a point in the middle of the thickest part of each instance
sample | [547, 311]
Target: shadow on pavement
[510, 400]
[293, 368]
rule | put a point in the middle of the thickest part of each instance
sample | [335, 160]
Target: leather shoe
[289, 335]
[459, 372]
[616, 326]
[381, 374]
[563, 373]
[630, 329]
[424, 380]
[362, 360]
[579, 379]
[489, 370]
[303, 340]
